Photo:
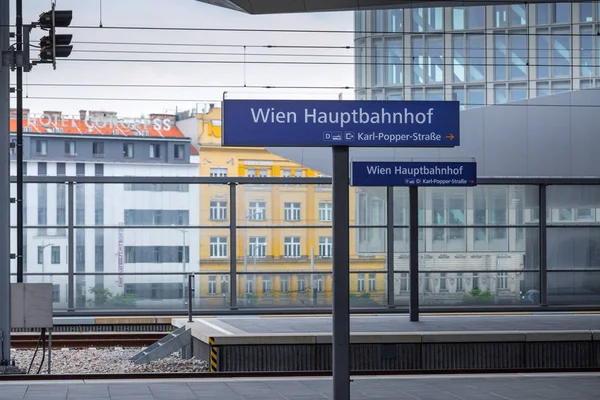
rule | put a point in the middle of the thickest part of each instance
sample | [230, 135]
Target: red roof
[78, 127]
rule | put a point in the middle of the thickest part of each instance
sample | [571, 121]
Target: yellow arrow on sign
[450, 136]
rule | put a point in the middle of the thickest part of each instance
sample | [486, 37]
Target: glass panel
[436, 93]
[500, 57]
[394, 21]
[458, 58]
[458, 18]
[473, 287]
[500, 96]
[376, 62]
[578, 200]
[378, 22]
[586, 13]
[458, 94]
[543, 88]
[562, 13]
[561, 46]
[418, 19]
[561, 86]
[574, 287]
[500, 17]
[518, 56]
[435, 18]
[476, 17]
[395, 67]
[518, 15]
[476, 51]
[284, 289]
[361, 55]
[542, 14]
[543, 52]
[587, 50]
[368, 289]
[418, 61]
[435, 53]
[475, 96]
[518, 91]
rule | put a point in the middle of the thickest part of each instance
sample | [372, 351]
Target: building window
[468, 52]
[502, 280]
[394, 20]
[55, 255]
[155, 151]
[70, 148]
[98, 149]
[469, 96]
[55, 293]
[291, 211]
[459, 282]
[317, 283]
[291, 247]
[40, 254]
[428, 62]
[263, 173]
[587, 39]
[218, 210]
[443, 285]
[395, 66]
[257, 247]
[257, 211]
[249, 285]
[325, 246]
[218, 172]
[224, 284]
[360, 283]
[475, 284]
[251, 172]
[128, 150]
[404, 282]
[553, 52]
[284, 284]
[301, 283]
[512, 92]
[372, 283]
[360, 60]
[267, 284]
[586, 13]
[212, 285]
[178, 151]
[41, 147]
[554, 13]
[325, 212]
[218, 247]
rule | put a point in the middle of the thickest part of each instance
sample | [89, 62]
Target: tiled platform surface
[460, 387]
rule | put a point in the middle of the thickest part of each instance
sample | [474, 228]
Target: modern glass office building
[479, 55]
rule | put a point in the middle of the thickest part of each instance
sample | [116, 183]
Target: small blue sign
[328, 123]
[390, 173]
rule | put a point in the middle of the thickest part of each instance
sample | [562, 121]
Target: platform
[461, 387]
[393, 343]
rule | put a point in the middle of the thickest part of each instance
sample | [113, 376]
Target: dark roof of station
[306, 6]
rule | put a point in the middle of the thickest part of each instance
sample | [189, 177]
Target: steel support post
[414, 253]
[233, 245]
[341, 274]
[391, 302]
[543, 247]
[4, 187]
[19, 93]
[71, 241]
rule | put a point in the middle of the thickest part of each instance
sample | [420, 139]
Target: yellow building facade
[284, 239]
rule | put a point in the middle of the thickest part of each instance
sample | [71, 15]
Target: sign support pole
[341, 271]
[414, 253]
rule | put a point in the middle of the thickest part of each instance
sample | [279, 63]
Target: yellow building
[284, 238]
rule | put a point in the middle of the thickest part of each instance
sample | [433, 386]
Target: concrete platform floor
[566, 386]
[274, 325]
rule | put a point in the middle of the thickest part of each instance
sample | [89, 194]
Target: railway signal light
[55, 46]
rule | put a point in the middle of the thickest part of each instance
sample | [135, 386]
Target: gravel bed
[102, 361]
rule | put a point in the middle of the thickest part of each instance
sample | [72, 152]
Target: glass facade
[479, 246]
[478, 55]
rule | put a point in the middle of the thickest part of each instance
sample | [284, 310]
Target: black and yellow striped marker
[214, 361]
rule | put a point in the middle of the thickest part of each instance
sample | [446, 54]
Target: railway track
[88, 339]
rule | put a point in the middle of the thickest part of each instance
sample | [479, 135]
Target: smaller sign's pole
[341, 271]
[414, 253]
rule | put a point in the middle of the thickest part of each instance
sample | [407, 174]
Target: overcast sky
[184, 14]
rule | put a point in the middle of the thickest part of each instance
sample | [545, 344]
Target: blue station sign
[329, 123]
[390, 173]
